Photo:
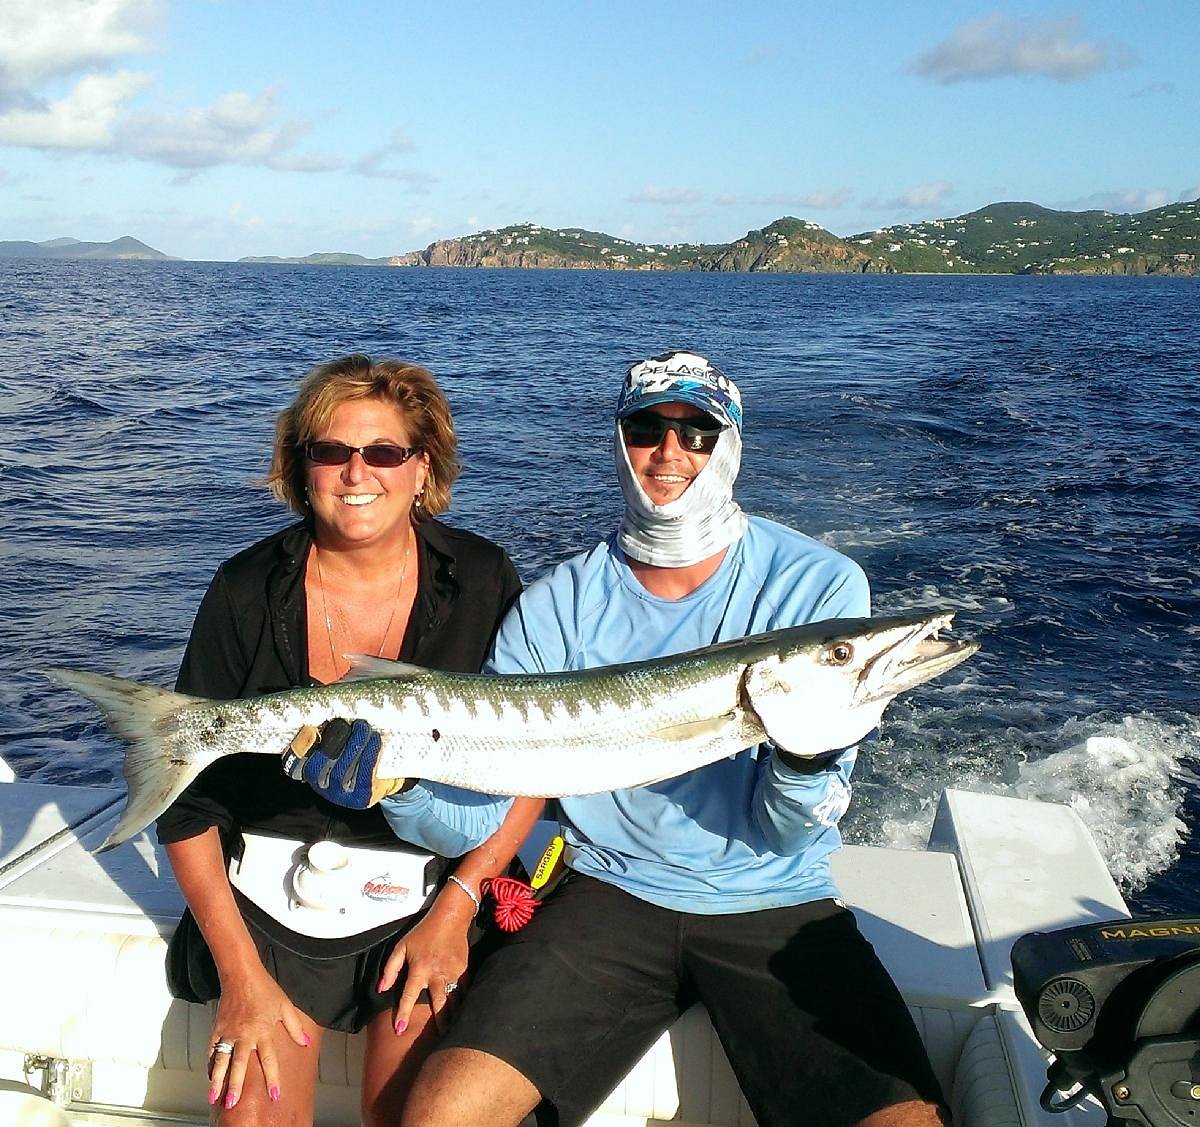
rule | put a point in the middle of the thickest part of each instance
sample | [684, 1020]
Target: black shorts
[815, 1029]
[333, 981]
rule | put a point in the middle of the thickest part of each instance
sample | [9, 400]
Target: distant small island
[1002, 238]
[124, 249]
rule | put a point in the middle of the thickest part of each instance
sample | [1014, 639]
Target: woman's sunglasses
[378, 454]
[645, 428]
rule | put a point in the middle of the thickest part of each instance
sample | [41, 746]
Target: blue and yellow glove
[339, 761]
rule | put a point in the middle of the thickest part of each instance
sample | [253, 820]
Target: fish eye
[840, 653]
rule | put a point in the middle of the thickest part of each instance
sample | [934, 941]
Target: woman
[366, 455]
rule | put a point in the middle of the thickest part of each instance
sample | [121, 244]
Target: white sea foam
[966, 598]
[848, 539]
[1126, 778]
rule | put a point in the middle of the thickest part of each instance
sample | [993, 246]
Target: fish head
[826, 686]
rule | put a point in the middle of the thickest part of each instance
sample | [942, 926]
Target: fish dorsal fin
[363, 667]
[710, 728]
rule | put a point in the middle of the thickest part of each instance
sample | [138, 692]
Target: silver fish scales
[553, 734]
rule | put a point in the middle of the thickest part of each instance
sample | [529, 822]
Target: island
[1002, 238]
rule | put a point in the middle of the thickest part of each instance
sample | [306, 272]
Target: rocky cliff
[786, 246]
[793, 246]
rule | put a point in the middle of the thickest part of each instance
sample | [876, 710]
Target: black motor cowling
[1118, 1004]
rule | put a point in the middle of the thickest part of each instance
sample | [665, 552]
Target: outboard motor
[1118, 1004]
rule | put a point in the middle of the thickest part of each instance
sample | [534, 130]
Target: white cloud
[826, 201]
[668, 196]
[925, 195]
[50, 40]
[763, 55]
[238, 128]
[1122, 201]
[82, 119]
[810, 201]
[378, 164]
[236, 217]
[999, 46]
[45, 38]
[1189, 194]
[421, 225]
[1167, 89]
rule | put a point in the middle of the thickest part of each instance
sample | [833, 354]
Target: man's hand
[808, 725]
[813, 736]
[339, 761]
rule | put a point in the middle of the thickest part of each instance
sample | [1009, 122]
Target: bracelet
[453, 879]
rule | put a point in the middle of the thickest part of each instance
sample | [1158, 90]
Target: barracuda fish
[551, 735]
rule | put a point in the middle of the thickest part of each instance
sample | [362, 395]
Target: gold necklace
[391, 618]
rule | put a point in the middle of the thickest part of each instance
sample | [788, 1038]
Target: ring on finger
[451, 987]
[223, 1047]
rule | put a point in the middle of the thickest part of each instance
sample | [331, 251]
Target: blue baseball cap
[681, 377]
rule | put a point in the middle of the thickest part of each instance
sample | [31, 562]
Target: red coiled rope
[515, 902]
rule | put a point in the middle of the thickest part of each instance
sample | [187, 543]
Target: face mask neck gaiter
[702, 522]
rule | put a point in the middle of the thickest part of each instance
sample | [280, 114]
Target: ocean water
[1024, 450]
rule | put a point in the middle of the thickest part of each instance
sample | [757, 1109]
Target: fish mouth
[912, 653]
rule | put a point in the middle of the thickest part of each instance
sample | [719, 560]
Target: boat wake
[1127, 780]
[1126, 777]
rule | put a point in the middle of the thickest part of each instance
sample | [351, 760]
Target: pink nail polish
[273, 1092]
[307, 1040]
[380, 988]
[401, 1025]
[213, 1093]
[230, 1099]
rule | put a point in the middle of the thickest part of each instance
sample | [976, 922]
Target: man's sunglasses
[645, 428]
[378, 454]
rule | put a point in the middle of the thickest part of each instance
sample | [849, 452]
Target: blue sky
[222, 128]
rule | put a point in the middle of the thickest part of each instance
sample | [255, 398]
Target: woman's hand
[251, 1005]
[431, 956]
[249, 1013]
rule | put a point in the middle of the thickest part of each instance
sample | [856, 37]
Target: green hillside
[1015, 238]
[530, 244]
[1002, 238]
[329, 258]
[124, 249]
[787, 245]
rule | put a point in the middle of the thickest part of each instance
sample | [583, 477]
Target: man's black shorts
[814, 1027]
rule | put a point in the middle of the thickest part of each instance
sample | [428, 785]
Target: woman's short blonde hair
[410, 389]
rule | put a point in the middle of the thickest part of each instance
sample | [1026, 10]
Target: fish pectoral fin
[366, 668]
[709, 728]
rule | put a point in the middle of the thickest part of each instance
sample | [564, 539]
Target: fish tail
[142, 716]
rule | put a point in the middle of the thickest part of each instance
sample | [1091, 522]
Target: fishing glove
[338, 761]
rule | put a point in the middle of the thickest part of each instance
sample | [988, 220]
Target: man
[712, 887]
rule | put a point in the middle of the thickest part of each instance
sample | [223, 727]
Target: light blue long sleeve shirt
[741, 834]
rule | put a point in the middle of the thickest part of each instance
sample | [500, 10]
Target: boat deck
[82, 939]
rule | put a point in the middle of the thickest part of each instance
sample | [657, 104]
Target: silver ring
[223, 1047]
[451, 987]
